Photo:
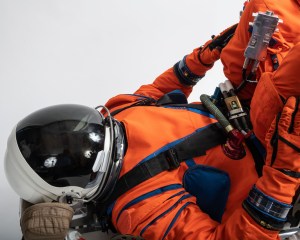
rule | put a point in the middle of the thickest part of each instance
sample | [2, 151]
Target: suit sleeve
[167, 82]
[184, 74]
[164, 83]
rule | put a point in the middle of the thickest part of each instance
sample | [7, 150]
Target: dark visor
[61, 143]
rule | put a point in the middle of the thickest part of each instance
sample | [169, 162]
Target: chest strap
[193, 146]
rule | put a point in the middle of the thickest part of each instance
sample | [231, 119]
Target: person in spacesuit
[160, 168]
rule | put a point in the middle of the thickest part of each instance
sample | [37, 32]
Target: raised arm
[186, 73]
[182, 76]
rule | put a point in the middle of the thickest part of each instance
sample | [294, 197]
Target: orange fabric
[277, 185]
[247, 228]
[155, 131]
[266, 102]
[164, 83]
[287, 78]
[151, 128]
[207, 56]
[286, 157]
[265, 105]
[232, 55]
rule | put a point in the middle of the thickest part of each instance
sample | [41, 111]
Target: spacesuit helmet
[65, 152]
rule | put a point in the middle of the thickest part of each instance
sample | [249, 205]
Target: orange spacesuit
[173, 203]
[156, 210]
[210, 195]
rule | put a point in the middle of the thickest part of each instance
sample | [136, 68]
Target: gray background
[85, 52]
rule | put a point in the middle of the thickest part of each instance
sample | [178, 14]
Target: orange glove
[281, 175]
[194, 66]
[284, 140]
[202, 59]
[212, 49]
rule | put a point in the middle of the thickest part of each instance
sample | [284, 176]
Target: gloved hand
[202, 59]
[281, 174]
[283, 140]
[211, 51]
[46, 221]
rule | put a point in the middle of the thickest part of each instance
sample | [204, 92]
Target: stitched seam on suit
[166, 212]
[148, 195]
[175, 218]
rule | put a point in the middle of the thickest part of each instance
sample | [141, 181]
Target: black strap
[291, 145]
[144, 102]
[289, 172]
[258, 153]
[193, 146]
[197, 106]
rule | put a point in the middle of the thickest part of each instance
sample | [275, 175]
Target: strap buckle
[172, 158]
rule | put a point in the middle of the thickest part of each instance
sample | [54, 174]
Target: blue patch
[211, 188]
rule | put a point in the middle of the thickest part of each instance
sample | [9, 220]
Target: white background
[85, 52]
